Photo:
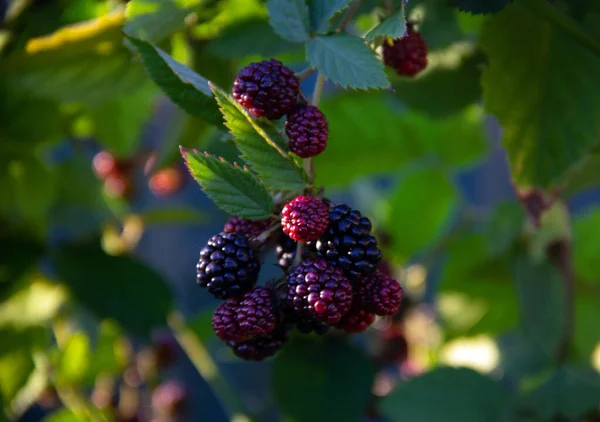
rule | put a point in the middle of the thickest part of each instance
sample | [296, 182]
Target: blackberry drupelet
[228, 265]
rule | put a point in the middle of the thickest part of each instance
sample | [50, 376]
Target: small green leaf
[232, 188]
[263, 148]
[459, 394]
[318, 367]
[347, 61]
[116, 287]
[322, 11]
[432, 199]
[182, 85]
[549, 112]
[479, 7]
[570, 392]
[109, 355]
[393, 26]
[289, 18]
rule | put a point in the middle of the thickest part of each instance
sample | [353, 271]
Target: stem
[267, 233]
[298, 256]
[207, 368]
[305, 74]
[349, 15]
[309, 166]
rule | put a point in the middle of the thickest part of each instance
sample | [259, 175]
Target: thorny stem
[207, 368]
[267, 233]
[305, 73]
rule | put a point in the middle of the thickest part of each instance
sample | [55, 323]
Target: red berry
[406, 55]
[379, 294]
[117, 186]
[251, 228]
[307, 129]
[166, 182]
[356, 320]
[304, 219]
[104, 164]
[245, 317]
[266, 88]
[319, 290]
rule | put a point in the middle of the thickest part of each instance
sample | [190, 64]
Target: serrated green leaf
[549, 111]
[393, 26]
[347, 61]
[322, 11]
[116, 284]
[480, 7]
[232, 188]
[261, 145]
[289, 18]
[319, 366]
[463, 393]
[182, 85]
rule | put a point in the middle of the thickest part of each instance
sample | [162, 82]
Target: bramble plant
[359, 242]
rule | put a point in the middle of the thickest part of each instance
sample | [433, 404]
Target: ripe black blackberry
[266, 88]
[228, 265]
[319, 290]
[406, 55]
[261, 347]
[304, 218]
[379, 294]
[307, 130]
[356, 320]
[347, 243]
[244, 317]
[285, 251]
[251, 228]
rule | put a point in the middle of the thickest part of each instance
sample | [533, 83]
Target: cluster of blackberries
[406, 55]
[335, 283]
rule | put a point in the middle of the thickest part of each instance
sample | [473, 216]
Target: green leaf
[460, 394]
[450, 83]
[433, 199]
[263, 148]
[586, 230]
[116, 287]
[183, 86]
[289, 18]
[570, 392]
[393, 26]
[584, 176]
[16, 359]
[74, 361]
[541, 301]
[35, 305]
[322, 11]
[479, 7]
[586, 336]
[85, 62]
[438, 23]
[346, 61]
[504, 227]
[155, 20]
[63, 415]
[549, 111]
[318, 367]
[232, 188]
[110, 354]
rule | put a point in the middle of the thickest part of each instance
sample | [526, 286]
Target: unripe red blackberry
[307, 130]
[304, 219]
[347, 243]
[319, 290]
[379, 294]
[244, 317]
[262, 347]
[356, 320]
[166, 182]
[228, 265]
[266, 88]
[251, 228]
[406, 55]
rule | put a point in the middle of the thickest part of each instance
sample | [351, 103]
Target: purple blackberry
[304, 219]
[319, 290]
[266, 88]
[228, 265]
[406, 55]
[251, 228]
[379, 294]
[347, 243]
[262, 347]
[307, 130]
[356, 320]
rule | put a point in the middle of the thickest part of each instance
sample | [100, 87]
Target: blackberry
[251, 228]
[285, 251]
[304, 219]
[379, 294]
[347, 243]
[304, 324]
[319, 290]
[228, 266]
[307, 130]
[266, 88]
[356, 320]
[244, 317]
[406, 55]
[262, 347]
